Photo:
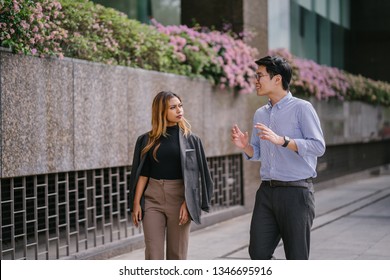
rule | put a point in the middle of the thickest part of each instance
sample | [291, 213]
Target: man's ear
[278, 79]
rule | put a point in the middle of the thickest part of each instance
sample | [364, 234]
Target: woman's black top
[168, 155]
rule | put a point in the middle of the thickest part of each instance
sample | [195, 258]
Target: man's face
[264, 84]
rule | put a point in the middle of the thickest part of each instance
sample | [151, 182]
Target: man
[287, 138]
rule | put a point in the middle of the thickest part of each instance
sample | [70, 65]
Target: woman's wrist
[246, 146]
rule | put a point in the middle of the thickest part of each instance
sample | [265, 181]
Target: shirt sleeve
[312, 143]
[254, 142]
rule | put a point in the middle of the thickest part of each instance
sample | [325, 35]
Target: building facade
[349, 35]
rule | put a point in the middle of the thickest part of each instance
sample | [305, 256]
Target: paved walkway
[352, 222]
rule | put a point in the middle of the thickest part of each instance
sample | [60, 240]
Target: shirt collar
[281, 102]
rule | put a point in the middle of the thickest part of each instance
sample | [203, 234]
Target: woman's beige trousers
[163, 199]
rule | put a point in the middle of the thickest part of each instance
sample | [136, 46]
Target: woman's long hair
[160, 107]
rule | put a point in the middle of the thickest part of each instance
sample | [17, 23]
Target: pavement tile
[352, 222]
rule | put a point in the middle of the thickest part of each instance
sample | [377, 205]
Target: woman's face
[175, 111]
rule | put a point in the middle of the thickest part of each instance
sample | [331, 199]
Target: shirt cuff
[302, 147]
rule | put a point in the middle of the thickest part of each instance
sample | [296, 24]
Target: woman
[170, 182]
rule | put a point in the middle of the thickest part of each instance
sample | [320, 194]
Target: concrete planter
[62, 115]
[350, 122]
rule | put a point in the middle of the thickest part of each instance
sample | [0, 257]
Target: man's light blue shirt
[297, 119]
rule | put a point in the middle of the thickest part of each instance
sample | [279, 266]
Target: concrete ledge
[137, 242]
[121, 247]
[66, 115]
[110, 250]
[219, 216]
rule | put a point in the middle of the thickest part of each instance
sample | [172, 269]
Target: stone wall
[64, 115]
[351, 122]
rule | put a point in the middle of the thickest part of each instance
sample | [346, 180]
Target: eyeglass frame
[258, 77]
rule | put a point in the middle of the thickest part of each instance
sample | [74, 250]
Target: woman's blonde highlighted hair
[160, 107]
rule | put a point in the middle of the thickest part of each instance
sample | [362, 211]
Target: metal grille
[228, 187]
[53, 216]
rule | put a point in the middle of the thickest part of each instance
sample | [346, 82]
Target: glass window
[166, 12]
[129, 7]
[305, 3]
[345, 14]
[334, 11]
[279, 24]
[324, 41]
[321, 7]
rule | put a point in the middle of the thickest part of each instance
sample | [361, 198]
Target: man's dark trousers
[282, 212]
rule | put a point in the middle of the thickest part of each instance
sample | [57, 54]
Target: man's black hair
[276, 65]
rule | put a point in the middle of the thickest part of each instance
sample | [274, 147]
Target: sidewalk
[352, 222]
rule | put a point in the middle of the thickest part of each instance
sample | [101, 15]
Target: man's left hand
[265, 133]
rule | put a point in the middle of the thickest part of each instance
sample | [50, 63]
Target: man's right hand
[240, 139]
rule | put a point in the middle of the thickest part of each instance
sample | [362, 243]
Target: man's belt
[305, 183]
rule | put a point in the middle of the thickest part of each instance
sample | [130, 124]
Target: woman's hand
[136, 214]
[184, 217]
[139, 190]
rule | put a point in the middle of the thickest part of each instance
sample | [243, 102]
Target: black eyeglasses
[258, 77]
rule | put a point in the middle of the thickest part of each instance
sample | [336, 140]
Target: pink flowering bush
[324, 82]
[85, 30]
[216, 55]
[32, 27]
[312, 79]
[101, 34]
[368, 90]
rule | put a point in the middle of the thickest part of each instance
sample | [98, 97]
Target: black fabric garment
[168, 166]
[285, 213]
[196, 174]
